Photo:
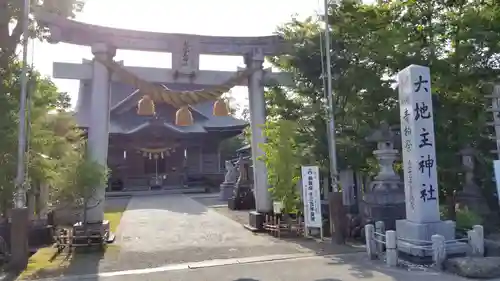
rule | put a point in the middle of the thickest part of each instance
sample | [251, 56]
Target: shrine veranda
[135, 147]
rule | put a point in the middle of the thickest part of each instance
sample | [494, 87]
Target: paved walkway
[167, 230]
[161, 230]
[348, 267]
[172, 222]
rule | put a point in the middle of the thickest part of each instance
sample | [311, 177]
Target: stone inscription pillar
[257, 119]
[98, 131]
[418, 145]
[422, 221]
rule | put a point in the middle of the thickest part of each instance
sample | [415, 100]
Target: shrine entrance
[117, 102]
[164, 168]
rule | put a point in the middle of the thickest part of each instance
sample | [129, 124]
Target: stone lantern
[385, 199]
[470, 196]
[243, 197]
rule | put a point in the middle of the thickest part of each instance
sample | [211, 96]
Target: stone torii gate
[185, 50]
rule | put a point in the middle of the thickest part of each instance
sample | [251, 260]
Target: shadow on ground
[325, 247]
[251, 279]
[86, 262]
[346, 267]
[165, 202]
[78, 261]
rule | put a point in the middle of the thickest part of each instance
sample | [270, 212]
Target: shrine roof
[123, 119]
[195, 128]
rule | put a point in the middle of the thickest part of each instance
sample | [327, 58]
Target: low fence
[379, 242]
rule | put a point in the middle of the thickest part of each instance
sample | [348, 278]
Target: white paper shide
[311, 196]
[418, 144]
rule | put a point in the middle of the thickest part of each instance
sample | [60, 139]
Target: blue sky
[214, 17]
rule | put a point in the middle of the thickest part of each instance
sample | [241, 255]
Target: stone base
[413, 232]
[388, 213]
[473, 201]
[19, 239]
[97, 228]
[226, 191]
[387, 205]
[338, 216]
[255, 221]
[243, 198]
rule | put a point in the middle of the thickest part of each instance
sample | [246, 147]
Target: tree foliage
[282, 159]
[55, 146]
[458, 40]
[11, 27]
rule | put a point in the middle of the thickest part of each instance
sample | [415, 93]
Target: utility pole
[332, 148]
[335, 200]
[19, 225]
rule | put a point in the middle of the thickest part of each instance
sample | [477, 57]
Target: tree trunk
[451, 212]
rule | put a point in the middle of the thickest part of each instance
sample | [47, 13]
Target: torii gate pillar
[98, 130]
[257, 107]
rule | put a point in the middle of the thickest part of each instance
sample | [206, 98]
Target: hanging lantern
[220, 108]
[146, 106]
[183, 117]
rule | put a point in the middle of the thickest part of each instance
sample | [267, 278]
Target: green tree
[370, 44]
[11, 27]
[282, 159]
[42, 163]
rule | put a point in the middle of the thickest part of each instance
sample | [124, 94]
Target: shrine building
[143, 148]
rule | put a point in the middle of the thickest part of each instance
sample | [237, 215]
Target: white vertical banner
[496, 167]
[311, 197]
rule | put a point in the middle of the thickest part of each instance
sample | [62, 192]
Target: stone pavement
[168, 229]
[347, 267]
[165, 230]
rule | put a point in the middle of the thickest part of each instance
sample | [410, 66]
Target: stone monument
[243, 197]
[470, 196]
[227, 187]
[385, 198]
[420, 173]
